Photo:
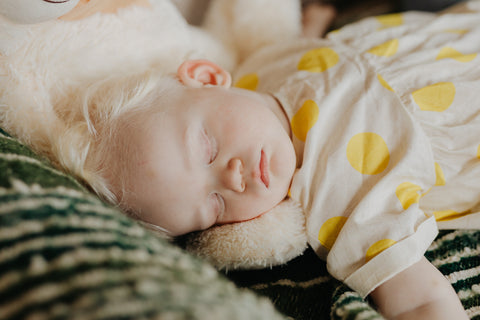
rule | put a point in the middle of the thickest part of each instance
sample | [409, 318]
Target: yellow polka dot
[390, 20]
[368, 153]
[378, 247]
[436, 97]
[384, 83]
[407, 194]
[330, 230]
[457, 31]
[304, 119]
[447, 215]
[318, 60]
[386, 49]
[248, 81]
[451, 53]
[440, 176]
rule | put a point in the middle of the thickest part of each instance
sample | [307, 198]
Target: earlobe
[199, 73]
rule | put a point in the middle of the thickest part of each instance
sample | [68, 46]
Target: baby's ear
[199, 73]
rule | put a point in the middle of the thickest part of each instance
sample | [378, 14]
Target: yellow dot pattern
[446, 215]
[384, 83]
[318, 60]
[407, 194]
[450, 53]
[440, 181]
[386, 49]
[330, 230]
[437, 97]
[378, 247]
[390, 20]
[368, 153]
[248, 81]
[304, 119]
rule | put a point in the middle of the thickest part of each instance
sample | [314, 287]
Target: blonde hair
[91, 145]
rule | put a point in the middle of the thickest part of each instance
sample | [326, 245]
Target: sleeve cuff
[393, 260]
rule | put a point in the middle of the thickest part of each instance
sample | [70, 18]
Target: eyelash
[220, 205]
[210, 146]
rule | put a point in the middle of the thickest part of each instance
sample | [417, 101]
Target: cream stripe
[30, 160]
[474, 311]
[131, 308]
[40, 267]
[292, 284]
[464, 253]
[346, 295]
[36, 189]
[54, 201]
[463, 274]
[89, 279]
[8, 138]
[467, 293]
[29, 204]
[355, 305]
[369, 314]
[27, 227]
[449, 237]
[72, 239]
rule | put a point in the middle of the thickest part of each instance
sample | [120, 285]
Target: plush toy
[65, 47]
[51, 49]
[34, 11]
[273, 238]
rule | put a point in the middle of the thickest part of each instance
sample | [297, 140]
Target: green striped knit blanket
[64, 254]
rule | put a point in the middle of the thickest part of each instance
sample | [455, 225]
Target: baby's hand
[419, 292]
[317, 18]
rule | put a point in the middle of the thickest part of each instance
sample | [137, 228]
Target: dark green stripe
[473, 301]
[465, 263]
[23, 170]
[469, 239]
[48, 207]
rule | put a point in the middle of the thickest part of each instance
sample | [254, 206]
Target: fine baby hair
[105, 110]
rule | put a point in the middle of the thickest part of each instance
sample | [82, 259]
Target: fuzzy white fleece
[42, 64]
[273, 238]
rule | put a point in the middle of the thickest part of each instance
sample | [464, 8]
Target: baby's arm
[419, 292]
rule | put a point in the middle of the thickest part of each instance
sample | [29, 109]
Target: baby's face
[216, 156]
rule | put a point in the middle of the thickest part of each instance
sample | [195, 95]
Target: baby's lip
[263, 166]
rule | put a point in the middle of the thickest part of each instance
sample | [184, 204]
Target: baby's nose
[233, 175]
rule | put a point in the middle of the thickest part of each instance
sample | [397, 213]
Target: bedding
[64, 254]
[303, 289]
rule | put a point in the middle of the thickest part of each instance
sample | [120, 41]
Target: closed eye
[217, 205]
[209, 145]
